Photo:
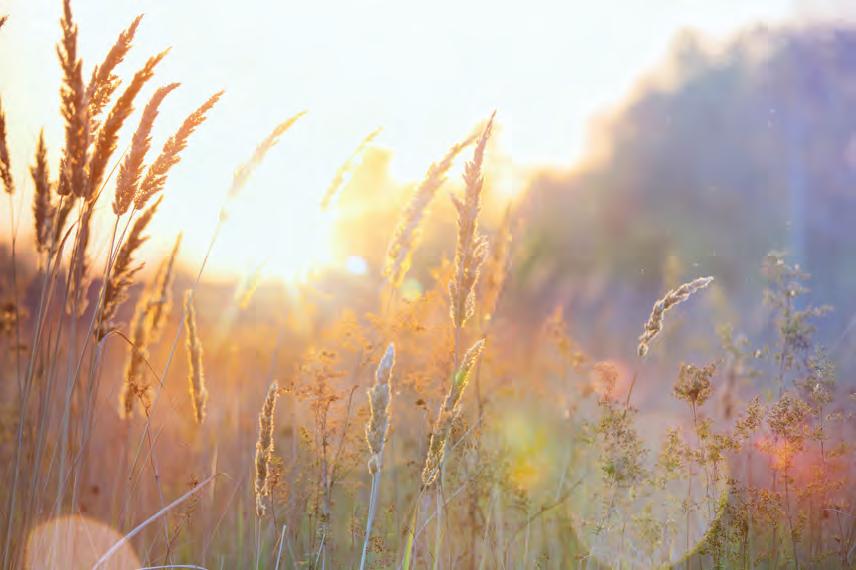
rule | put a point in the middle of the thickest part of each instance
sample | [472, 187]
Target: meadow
[151, 417]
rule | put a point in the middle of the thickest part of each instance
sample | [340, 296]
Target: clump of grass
[196, 375]
[670, 300]
[264, 448]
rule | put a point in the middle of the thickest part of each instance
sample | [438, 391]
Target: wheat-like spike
[156, 175]
[196, 376]
[264, 448]
[108, 134]
[162, 291]
[346, 167]
[243, 172]
[5, 165]
[131, 170]
[72, 172]
[672, 298]
[406, 236]
[471, 248]
[123, 271]
[104, 82]
[448, 412]
[43, 208]
[379, 403]
[3, 20]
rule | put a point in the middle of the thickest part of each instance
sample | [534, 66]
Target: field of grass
[158, 419]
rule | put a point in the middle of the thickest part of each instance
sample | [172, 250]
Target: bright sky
[426, 72]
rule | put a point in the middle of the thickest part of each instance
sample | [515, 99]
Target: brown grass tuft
[123, 271]
[43, 208]
[406, 236]
[131, 170]
[108, 134]
[104, 82]
[72, 175]
[264, 448]
[448, 412]
[196, 376]
[5, 166]
[170, 155]
[471, 248]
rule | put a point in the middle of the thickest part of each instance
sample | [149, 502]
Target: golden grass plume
[377, 427]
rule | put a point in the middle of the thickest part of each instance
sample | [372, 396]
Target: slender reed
[5, 166]
[347, 166]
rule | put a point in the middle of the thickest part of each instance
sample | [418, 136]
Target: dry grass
[543, 463]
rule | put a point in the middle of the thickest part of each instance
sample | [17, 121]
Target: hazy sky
[426, 72]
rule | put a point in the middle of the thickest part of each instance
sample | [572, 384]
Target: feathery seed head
[672, 298]
[264, 447]
[379, 403]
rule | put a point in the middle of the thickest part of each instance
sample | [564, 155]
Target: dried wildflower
[43, 208]
[264, 448]
[672, 298]
[155, 177]
[131, 170]
[750, 421]
[196, 376]
[471, 248]
[693, 384]
[379, 401]
[347, 166]
[448, 412]
[407, 232]
[787, 419]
